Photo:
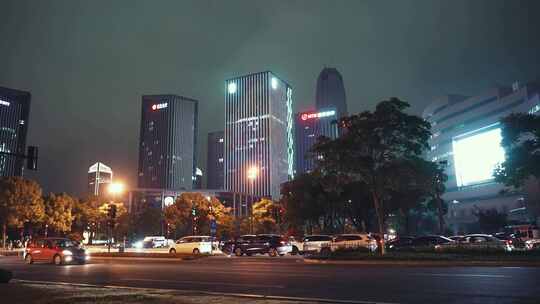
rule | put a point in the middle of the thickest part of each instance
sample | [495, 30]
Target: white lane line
[462, 275]
[211, 293]
[205, 283]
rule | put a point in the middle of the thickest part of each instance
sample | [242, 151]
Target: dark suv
[270, 244]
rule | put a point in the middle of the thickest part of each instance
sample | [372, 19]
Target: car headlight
[67, 252]
[138, 244]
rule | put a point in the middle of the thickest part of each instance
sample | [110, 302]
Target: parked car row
[271, 244]
[325, 244]
[441, 243]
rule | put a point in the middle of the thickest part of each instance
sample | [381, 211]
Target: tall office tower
[168, 145]
[14, 112]
[309, 126]
[259, 153]
[214, 164]
[99, 177]
[331, 92]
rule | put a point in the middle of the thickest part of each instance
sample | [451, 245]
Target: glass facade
[14, 112]
[215, 161]
[258, 134]
[309, 126]
[168, 146]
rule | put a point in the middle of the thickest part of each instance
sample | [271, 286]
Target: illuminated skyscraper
[14, 112]
[168, 146]
[466, 140]
[215, 161]
[99, 177]
[309, 126]
[258, 134]
[331, 92]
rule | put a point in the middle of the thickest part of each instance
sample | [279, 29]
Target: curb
[208, 293]
[424, 263]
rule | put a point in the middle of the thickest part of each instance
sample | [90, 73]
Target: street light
[114, 189]
[252, 173]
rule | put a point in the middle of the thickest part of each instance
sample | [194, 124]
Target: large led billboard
[476, 156]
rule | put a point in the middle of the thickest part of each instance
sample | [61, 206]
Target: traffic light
[194, 211]
[32, 158]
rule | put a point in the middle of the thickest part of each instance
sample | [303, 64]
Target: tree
[192, 212]
[20, 202]
[58, 211]
[303, 200]
[372, 145]
[490, 220]
[264, 213]
[147, 221]
[521, 141]
[86, 216]
[521, 168]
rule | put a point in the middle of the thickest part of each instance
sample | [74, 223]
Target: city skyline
[86, 80]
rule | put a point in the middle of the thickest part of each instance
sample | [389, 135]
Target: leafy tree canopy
[521, 141]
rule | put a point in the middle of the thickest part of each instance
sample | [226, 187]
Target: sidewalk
[25, 292]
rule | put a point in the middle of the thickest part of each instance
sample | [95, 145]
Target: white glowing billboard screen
[476, 156]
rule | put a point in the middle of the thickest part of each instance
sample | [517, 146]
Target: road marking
[237, 295]
[462, 275]
[206, 283]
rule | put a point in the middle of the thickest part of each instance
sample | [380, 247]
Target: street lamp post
[114, 189]
[252, 173]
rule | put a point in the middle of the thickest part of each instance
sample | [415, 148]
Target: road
[291, 277]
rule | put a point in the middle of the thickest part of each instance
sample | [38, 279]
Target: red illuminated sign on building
[159, 106]
[306, 116]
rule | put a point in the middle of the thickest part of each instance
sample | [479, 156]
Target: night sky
[87, 63]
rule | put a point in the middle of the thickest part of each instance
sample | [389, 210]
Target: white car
[353, 241]
[532, 244]
[316, 244]
[193, 245]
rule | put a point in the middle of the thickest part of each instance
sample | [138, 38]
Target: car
[511, 239]
[55, 250]
[483, 241]
[428, 242]
[399, 243]
[532, 244]
[354, 241]
[152, 242]
[192, 244]
[456, 238]
[478, 242]
[295, 245]
[317, 244]
[271, 244]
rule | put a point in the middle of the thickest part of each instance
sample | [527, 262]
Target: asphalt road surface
[291, 277]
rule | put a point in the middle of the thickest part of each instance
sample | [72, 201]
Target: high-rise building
[466, 140]
[14, 112]
[215, 161]
[259, 153]
[168, 145]
[309, 126]
[331, 91]
[99, 177]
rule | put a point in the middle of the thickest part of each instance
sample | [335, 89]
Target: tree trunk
[4, 235]
[441, 215]
[407, 222]
[380, 219]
